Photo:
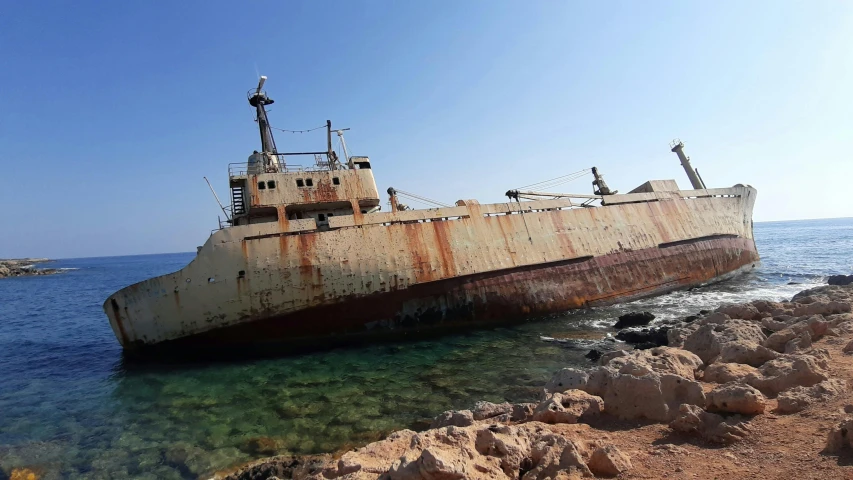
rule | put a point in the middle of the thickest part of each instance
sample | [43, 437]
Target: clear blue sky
[112, 112]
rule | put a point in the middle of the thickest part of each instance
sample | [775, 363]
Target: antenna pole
[217, 198]
[329, 139]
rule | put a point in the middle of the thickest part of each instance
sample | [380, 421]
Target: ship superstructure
[307, 257]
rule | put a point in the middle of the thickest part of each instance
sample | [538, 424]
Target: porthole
[336, 181]
[309, 182]
[271, 184]
[211, 280]
[261, 186]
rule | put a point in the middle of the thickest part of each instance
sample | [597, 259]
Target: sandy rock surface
[759, 390]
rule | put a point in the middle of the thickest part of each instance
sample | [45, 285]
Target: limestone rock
[675, 336]
[710, 426]
[716, 318]
[727, 372]
[652, 396]
[552, 454]
[568, 407]
[742, 311]
[608, 462]
[802, 342]
[456, 418]
[638, 384]
[522, 412]
[437, 464]
[786, 372]
[484, 410]
[661, 360]
[707, 341]
[567, 379]
[774, 324]
[372, 459]
[749, 353]
[778, 340]
[840, 437]
[736, 398]
[798, 398]
[821, 308]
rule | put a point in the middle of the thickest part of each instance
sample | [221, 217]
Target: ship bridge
[269, 188]
[260, 195]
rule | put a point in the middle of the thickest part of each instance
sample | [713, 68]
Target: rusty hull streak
[118, 322]
[494, 296]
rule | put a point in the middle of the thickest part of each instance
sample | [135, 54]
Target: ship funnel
[678, 147]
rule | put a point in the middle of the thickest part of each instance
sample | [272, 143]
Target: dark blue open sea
[71, 407]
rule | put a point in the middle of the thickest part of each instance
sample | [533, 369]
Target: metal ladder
[237, 206]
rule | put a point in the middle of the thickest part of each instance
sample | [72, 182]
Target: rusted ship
[307, 257]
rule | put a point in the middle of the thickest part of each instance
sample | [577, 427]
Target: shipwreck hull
[404, 273]
[488, 298]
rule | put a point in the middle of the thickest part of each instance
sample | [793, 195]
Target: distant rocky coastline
[750, 390]
[24, 267]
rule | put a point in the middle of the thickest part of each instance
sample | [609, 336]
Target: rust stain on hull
[497, 296]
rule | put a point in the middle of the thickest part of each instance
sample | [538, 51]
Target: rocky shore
[24, 267]
[755, 390]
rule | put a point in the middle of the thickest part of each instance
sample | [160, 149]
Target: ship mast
[677, 147]
[259, 100]
[344, 147]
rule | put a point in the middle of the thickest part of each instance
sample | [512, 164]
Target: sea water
[72, 407]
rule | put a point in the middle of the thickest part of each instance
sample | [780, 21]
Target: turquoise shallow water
[71, 407]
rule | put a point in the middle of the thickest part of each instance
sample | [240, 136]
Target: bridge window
[299, 182]
[321, 217]
[336, 181]
[271, 184]
[309, 182]
[262, 186]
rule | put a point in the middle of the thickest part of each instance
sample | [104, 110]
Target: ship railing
[242, 169]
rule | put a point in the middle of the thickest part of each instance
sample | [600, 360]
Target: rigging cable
[421, 199]
[547, 184]
[298, 131]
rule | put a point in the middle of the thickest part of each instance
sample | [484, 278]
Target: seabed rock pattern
[721, 371]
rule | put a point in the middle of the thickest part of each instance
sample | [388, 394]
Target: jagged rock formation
[722, 370]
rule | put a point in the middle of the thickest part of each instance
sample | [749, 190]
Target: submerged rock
[645, 338]
[634, 319]
[839, 279]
